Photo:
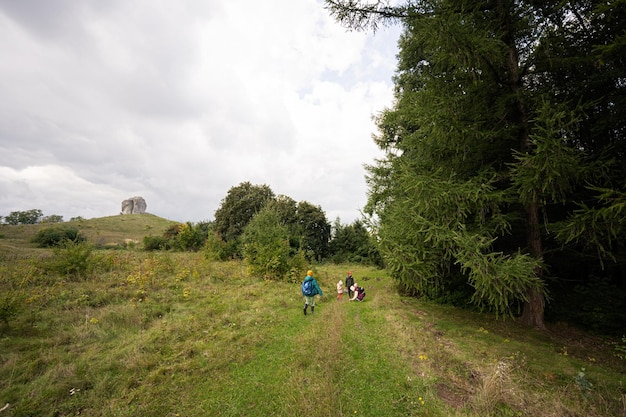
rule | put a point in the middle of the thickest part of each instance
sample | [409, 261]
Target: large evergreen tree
[488, 142]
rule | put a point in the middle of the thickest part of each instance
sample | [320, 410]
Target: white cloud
[180, 101]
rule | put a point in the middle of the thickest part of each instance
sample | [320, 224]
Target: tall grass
[170, 334]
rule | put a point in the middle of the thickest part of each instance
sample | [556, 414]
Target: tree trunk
[532, 315]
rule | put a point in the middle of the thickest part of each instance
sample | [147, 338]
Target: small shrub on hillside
[215, 248]
[9, 304]
[55, 236]
[299, 265]
[191, 237]
[152, 243]
[72, 260]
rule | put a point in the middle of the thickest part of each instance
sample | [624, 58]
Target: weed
[9, 306]
[583, 383]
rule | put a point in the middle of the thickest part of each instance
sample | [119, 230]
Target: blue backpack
[307, 287]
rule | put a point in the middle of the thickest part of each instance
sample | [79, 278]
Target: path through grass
[174, 336]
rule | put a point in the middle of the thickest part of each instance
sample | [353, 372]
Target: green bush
[73, 260]
[153, 243]
[56, 236]
[266, 246]
[191, 237]
[216, 249]
[9, 306]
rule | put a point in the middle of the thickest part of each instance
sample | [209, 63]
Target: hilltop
[107, 231]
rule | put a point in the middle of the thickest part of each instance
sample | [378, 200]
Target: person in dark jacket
[349, 283]
[309, 299]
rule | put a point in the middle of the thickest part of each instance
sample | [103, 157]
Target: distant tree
[287, 210]
[351, 243]
[53, 218]
[266, 245]
[313, 230]
[239, 207]
[13, 218]
[24, 217]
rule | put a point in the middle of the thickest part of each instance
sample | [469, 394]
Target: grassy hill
[104, 231]
[173, 334]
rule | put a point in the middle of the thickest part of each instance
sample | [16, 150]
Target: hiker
[310, 288]
[355, 290]
[349, 283]
[359, 293]
[339, 290]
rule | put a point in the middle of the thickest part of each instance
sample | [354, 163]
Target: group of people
[355, 293]
[311, 288]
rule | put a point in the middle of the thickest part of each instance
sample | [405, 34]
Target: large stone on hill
[134, 205]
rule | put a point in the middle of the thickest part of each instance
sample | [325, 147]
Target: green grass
[172, 334]
[111, 231]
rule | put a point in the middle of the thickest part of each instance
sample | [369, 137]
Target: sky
[178, 101]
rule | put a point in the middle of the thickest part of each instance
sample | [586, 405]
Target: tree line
[502, 184]
[32, 216]
[275, 235]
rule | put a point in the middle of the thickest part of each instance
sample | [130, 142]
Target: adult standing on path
[349, 283]
[310, 288]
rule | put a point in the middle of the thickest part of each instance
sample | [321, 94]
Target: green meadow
[173, 334]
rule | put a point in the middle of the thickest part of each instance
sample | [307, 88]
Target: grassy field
[173, 334]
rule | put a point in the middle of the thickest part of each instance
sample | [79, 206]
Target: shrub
[152, 243]
[56, 236]
[9, 303]
[191, 237]
[299, 264]
[266, 246]
[73, 260]
[216, 249]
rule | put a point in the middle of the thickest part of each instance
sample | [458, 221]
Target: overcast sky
[178, 101]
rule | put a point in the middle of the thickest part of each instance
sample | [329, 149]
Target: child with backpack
[310, 288]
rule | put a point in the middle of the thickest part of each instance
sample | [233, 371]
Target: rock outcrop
[134, 205]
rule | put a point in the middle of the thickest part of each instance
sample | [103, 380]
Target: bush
[72, 260]
[9, 305]
[266, 246]
[57, 236]
[191, 237]
[152, 243]
[216, 249]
